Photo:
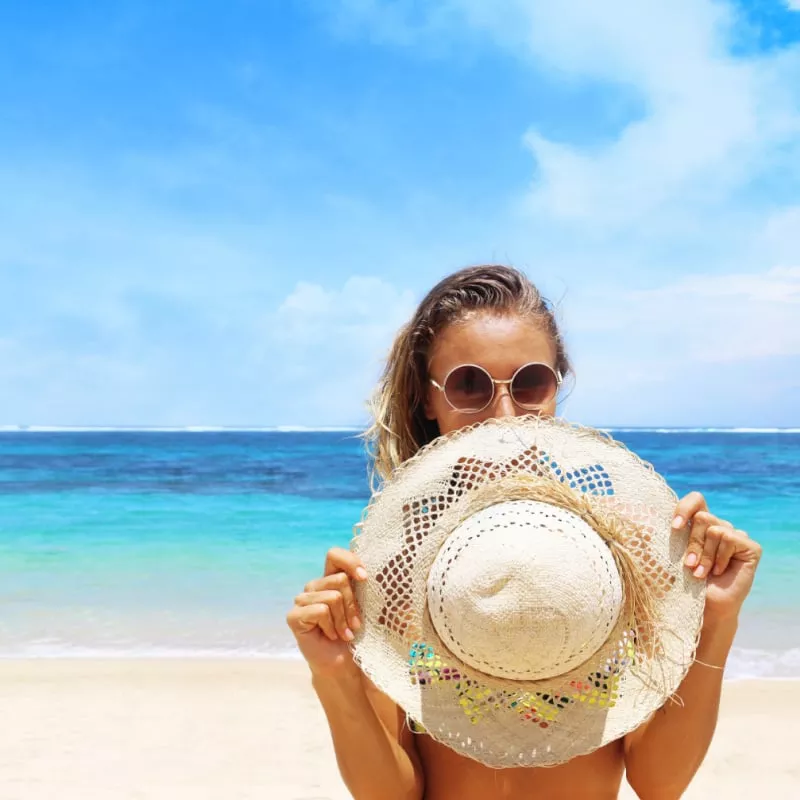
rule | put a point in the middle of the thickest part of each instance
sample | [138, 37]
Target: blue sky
[219, 213]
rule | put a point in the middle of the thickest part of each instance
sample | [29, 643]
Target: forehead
[500, 344]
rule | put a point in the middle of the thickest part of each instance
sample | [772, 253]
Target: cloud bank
[252, 267]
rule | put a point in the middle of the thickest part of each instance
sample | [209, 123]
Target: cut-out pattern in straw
[572, 700]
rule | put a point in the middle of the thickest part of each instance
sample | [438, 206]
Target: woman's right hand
[325, 615]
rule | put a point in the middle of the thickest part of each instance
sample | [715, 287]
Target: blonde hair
[399, 425]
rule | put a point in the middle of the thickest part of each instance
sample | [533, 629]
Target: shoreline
[286, 657]
[247, 728]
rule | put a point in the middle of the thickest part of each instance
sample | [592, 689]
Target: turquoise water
[148, 543]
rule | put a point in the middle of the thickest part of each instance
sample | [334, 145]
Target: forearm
[664, 759]
[372, 763]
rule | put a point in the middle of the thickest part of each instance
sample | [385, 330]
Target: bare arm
[662, 757]
[374, 748]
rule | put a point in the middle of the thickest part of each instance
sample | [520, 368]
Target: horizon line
[359, 428]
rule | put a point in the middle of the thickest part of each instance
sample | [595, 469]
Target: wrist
[716, 640]
[719, 627]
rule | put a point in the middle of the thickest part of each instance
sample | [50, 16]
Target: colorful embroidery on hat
[476, 700]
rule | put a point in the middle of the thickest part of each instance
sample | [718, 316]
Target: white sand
[241, 730]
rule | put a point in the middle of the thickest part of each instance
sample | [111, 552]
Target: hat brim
[505, 723]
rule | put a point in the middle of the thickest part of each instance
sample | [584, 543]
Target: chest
[450, 776]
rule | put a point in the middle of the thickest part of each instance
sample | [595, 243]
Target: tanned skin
[381, 759]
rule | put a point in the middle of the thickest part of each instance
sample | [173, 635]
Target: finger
[714, 534]
[722, 523]
[333, 599]
[341, 582]
[687, 508]
[340, 560]
[305, 619]
[726, 549]
[742, 548]
[697, 538]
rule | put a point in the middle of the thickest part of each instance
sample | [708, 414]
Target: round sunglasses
[470, 389]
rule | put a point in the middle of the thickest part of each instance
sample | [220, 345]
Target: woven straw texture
[520, 573]
[504, 669]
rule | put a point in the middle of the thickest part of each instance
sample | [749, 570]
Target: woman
[494, 319]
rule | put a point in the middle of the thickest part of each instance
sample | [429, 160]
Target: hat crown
[524, 590]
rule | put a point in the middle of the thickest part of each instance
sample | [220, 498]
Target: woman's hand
[325, 615]
[727, 557]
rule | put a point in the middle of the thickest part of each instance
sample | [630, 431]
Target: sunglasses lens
[469, 388]
[534, 386]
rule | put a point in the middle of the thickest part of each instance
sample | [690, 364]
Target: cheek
[447, 419]
[450, 421]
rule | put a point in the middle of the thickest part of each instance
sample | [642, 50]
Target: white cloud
[197, 318]
[712, 121]
[363, 305]
[725, 318]
[365, 311]
[794, 5]
[705, 350]
[712, 124]
[721, 318]
[326, 346]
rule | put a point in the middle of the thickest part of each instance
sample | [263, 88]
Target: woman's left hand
[727, 557]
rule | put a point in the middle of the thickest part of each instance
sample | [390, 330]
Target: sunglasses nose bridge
[503, 399]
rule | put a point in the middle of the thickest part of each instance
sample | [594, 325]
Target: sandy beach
[251, 729]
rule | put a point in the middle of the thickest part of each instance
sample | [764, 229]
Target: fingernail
[677, 523]
[691, 559]
[699, 572]
[355, 623]
[348, 635]
[361, 574]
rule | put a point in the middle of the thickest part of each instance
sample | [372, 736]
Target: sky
[220, 213]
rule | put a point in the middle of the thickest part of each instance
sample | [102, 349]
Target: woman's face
[499, 344]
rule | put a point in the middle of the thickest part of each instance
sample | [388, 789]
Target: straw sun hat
[527, 601]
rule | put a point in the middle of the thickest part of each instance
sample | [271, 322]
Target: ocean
[133, 543]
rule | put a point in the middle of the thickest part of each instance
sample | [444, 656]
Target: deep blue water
[147, 542]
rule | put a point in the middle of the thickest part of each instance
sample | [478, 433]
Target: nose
[503, 405]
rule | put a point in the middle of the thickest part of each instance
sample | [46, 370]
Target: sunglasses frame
[495, 382]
